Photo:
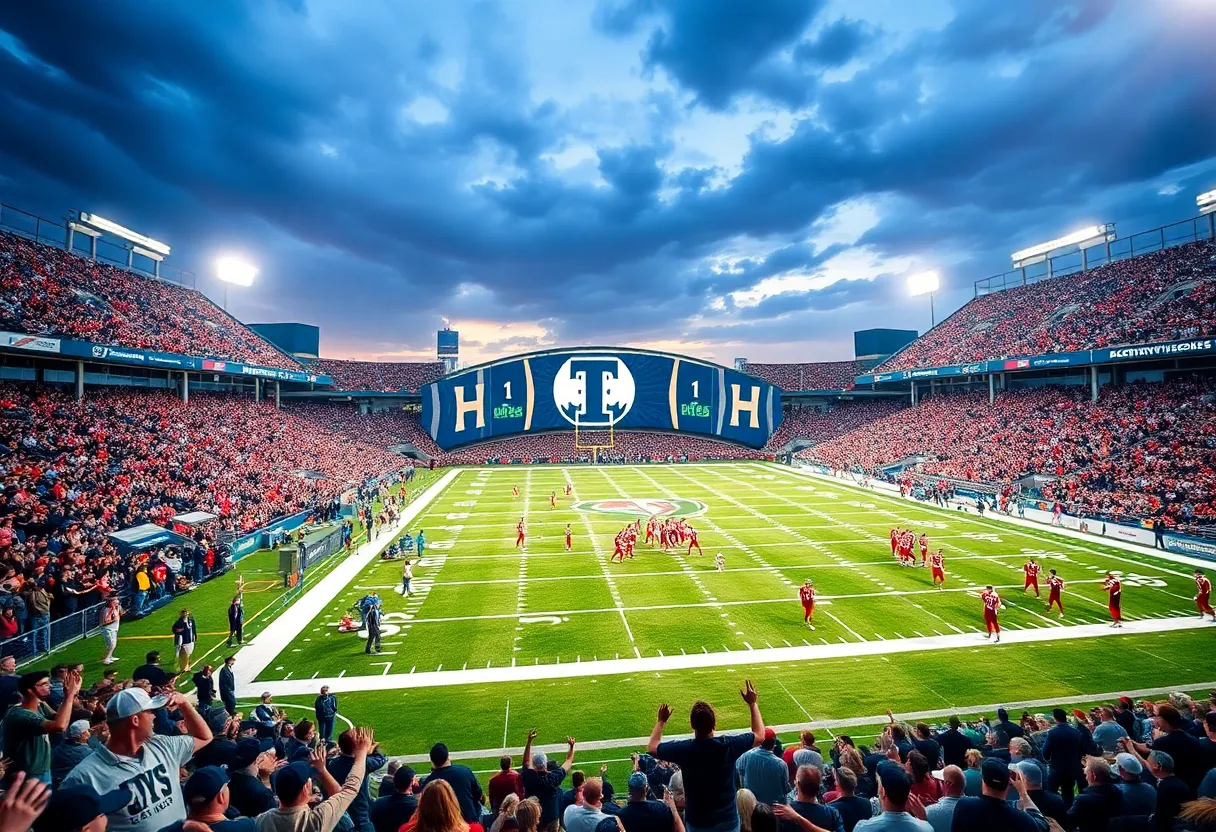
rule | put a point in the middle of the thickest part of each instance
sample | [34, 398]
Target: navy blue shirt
[646, 816]
[468, 790]
[708, 764]
[543, 785]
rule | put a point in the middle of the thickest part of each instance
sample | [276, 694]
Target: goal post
[594, 440]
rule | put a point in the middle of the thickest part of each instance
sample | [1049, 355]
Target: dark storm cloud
[288, 130]
[837, 44]
[719, 48]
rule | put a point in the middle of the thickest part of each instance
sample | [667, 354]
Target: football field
[495, 637]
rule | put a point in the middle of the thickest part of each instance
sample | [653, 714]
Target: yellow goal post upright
[593, 440]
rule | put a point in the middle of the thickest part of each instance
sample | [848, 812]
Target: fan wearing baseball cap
[80, 808]
[992, 810]
[293, 786]
[143, 763]
[208, 796]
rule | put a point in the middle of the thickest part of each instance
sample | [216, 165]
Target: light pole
[925, 283]
[234, 270]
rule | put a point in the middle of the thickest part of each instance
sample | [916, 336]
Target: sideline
[734, 658]
[826, 724]
[1017, 522]
[258, 653]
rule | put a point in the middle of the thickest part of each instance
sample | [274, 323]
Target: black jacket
[227, 682]
[1093, 808]
[990, 814]
[954, 745]
[1062, 749]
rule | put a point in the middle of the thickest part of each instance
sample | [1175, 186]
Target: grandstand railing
[55, 233]
[1145, 242]
[27, 646]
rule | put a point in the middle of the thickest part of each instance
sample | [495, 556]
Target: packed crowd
[821, 425]
[139, 755]
[1164, 296]
[48, 291]
[823, 375]
[379, 376]
[627, 447]
[1141, 450]
[384, 428]
[74, 472]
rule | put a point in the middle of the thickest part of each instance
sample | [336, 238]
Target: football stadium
[960, 581]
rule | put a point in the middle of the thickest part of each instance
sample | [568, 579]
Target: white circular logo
[593, 391]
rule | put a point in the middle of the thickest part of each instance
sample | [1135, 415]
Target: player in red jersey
[618, 548]
[1114, 586]
[569, 489]
[924, 547]
[553, 499]
[692, 541]
[937, 565]
[1203, 600]
[992, 605]
[895, 535]
[1031, 568]
[650, 524]
[905, 549]
[806, 594]
[1055, 586]
[567, 537]
[515, 492]
[521, 534]
[630, 538]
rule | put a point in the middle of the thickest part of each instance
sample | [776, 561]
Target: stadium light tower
[234, 270]
[925, 283]
[1079, 240]
[1207, 205]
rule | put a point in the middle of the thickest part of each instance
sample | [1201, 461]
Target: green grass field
[481, 604]
[209, 605]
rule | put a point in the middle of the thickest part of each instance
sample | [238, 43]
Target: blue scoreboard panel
[597, 388]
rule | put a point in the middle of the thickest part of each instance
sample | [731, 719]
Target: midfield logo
[643, 506]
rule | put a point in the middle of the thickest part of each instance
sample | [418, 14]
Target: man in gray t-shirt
[144, 763]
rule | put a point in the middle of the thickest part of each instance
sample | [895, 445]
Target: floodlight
[125, 233]
[235, 270]
[1206, 202]
[923, 283]
[1081, 238]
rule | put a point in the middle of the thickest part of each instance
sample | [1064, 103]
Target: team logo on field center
[643, 506]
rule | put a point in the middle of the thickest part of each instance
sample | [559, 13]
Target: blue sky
[715, 177]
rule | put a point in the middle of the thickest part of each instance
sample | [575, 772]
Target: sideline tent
[145, 536]
[195, 518]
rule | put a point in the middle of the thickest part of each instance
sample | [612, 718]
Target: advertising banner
[36, 343]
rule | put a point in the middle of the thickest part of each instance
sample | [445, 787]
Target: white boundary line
[258, 654]
[830, 724]
[605, 667]
[1027, 528]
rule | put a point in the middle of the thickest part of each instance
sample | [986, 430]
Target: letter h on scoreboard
[750, 405]
[474, 405]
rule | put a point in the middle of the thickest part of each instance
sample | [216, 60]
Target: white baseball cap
[132, 701]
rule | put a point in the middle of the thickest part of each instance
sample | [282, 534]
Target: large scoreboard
[597, 388]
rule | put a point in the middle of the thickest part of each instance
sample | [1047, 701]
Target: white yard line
[599, 556]
[258, 653]
[734, 658]
[827, 724]
[1018, 526]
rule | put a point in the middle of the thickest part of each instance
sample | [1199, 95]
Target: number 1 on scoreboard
[696, 389]
[506, 386]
